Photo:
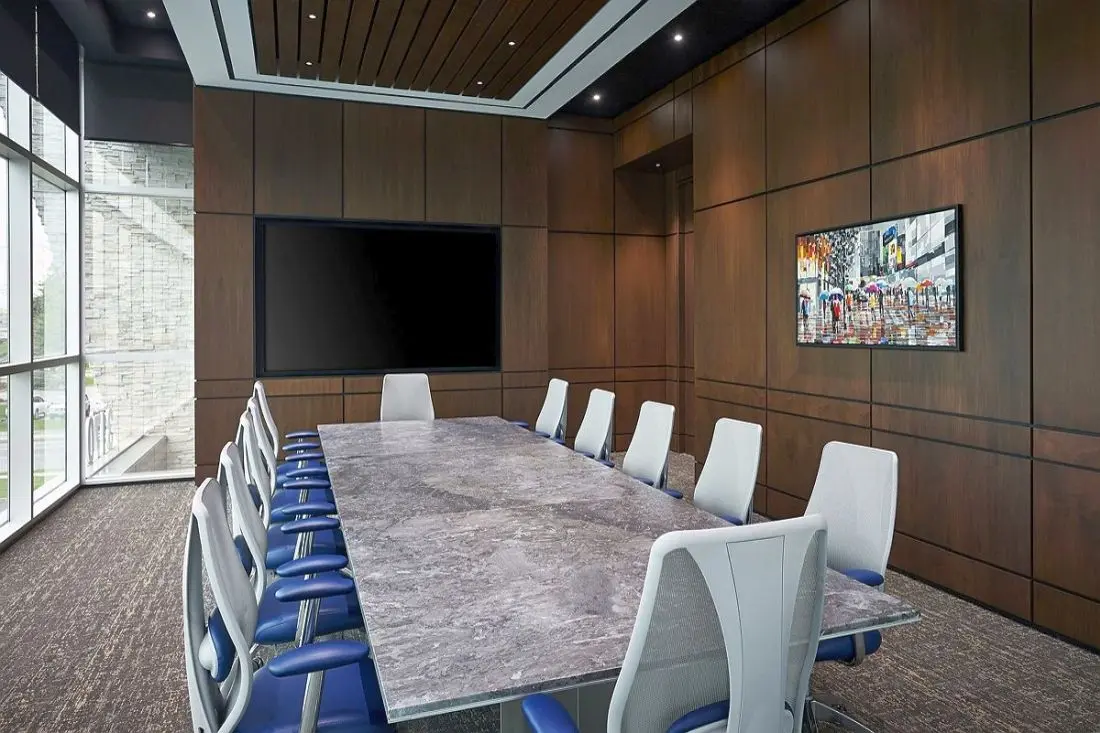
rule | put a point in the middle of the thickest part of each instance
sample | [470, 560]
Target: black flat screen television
[891, 283]
[369, 298]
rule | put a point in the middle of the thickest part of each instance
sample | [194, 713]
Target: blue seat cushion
[701, 716]
[350, 703]
[281, 550]
[731, 519]
[278, 620]
[843, 648]
[291, 465]
[867, 577]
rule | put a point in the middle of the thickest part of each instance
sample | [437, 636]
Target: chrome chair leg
[830, 710]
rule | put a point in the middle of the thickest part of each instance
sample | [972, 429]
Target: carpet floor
[91, 638]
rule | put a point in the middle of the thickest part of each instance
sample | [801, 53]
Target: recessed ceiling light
[511, 43]
[658, 165]
[150, 14]
[309, 63]
[480, 83]
[678, 37]
[313, 16]
[596, 97]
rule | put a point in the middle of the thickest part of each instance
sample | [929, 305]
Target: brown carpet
[91, 638]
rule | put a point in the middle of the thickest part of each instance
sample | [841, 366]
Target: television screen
[343, 298]
[890, 283]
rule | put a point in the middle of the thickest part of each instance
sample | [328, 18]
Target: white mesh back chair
[646, 457]
[307, 688]
[857, 492]
[302, 465]
[301, 441]
[725, 635]
[551, 420]
[728, 478]
[406, 397]
[595, 432]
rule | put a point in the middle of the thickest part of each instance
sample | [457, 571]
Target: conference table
[491, 563]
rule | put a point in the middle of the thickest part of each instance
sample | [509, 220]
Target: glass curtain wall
[39, 307]
[138, 259]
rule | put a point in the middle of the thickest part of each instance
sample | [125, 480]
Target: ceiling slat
[475, 30]
[332, 43]
[355, 42]
[412, 11]
[288, 11]
[384, 19]
[444, 42]
[263, 33]
[430, 24]
[498, 34]
[310, 53]
[547, 27]
[521, 32]
[545, 52]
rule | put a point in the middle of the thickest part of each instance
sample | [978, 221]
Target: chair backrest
[268, 451]
[647, 455]
[216, 650]
[728, 478]
[857, 492]
[406, 397]
[551, 420]
[267, 418]
[595, 432]
[726, 614]
[255, 466]
[247, 522]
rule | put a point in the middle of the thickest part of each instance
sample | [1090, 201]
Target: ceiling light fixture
[678, 37]
[150, 14]
[313, 16]
[596, 97]
[658, 165]
[309, 63]
[511, 43]
[480, 83]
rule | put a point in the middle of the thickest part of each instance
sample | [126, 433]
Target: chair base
[830, 710]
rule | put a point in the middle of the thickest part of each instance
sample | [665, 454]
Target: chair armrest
[731, 519]
[305, 446]
[522, 424]
[254, 492]
[315, 455]
[306, 483]
[321, 586]
[867, 577]
[298, 434]
[306, 472]
[311, 565]
[318, 656]
[310, 524]
[586, 454]
[609, 464]
[673, 493]
[647, 482]
[305, 509]
[546, 715]
[559, 441]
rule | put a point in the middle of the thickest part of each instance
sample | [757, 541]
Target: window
[39, 303]
[138, 260]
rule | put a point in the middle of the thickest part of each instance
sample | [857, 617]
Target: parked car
[41, 407]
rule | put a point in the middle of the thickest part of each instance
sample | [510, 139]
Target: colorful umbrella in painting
[941, 283]
[926, 283]
[824, 295]
[837, 292]
[873, 288]
[909, 283]
[804, 295]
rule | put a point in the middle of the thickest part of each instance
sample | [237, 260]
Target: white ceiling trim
[599, 45]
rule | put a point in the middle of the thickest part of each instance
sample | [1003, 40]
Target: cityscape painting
[890, 283]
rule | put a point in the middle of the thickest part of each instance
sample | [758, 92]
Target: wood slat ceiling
[485, 48]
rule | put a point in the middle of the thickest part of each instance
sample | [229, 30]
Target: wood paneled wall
[274, 155]
[818, 121]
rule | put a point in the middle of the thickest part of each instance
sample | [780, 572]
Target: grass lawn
[39, 479]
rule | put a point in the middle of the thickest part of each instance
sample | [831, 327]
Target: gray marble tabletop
[491, 563]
